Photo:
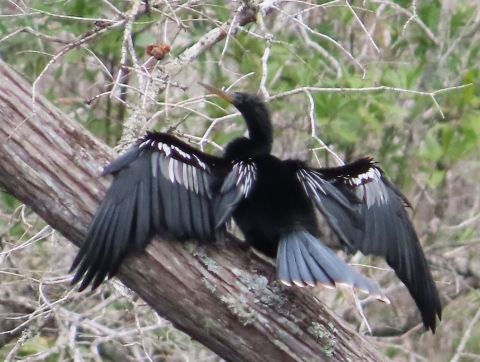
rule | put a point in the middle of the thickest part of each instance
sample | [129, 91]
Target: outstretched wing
[236, 187]
[162, 185]
[386, 231]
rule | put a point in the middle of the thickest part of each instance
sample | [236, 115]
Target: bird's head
[255, 112]
[244, 102]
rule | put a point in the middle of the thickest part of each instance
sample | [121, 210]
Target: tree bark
[52, 164]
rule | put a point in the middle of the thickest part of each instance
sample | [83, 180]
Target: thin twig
[466, 337]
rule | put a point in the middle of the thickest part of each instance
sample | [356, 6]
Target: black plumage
[164, 186]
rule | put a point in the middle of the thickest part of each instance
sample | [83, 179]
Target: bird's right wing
[160, 186]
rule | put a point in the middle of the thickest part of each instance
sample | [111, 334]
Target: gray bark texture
[219, 295]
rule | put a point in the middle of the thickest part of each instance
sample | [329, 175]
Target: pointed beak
[229, 97]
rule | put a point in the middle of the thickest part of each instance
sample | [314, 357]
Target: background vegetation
[396, 80]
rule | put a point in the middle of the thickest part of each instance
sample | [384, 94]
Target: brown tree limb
[52, 164]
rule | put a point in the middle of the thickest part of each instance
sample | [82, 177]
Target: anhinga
[164, 186]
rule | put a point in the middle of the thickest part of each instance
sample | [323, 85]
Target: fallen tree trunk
[52, 164]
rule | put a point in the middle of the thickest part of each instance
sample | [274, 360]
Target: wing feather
[237, 186]
[342, 215]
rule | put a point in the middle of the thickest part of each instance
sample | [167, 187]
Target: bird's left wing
[237, 186]
[161, 186]
[387, 230]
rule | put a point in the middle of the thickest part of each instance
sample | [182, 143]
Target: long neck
[259, 141]
[259, 125]
[260, 130]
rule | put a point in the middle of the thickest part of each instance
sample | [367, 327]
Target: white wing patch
[369, 187]
[179, 167]
[236, 187]
[312, 181]
[247, 173]
[373, 174]
[243, 175]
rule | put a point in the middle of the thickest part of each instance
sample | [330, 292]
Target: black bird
[164, 186]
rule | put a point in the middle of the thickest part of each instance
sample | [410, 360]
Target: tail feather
[293, 267]
[321, 277]
[304, 260]
[306, 276]
[282, 264]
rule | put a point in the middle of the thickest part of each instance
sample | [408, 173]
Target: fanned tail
[304, 260]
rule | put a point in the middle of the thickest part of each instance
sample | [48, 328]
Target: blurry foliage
[432, 157]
